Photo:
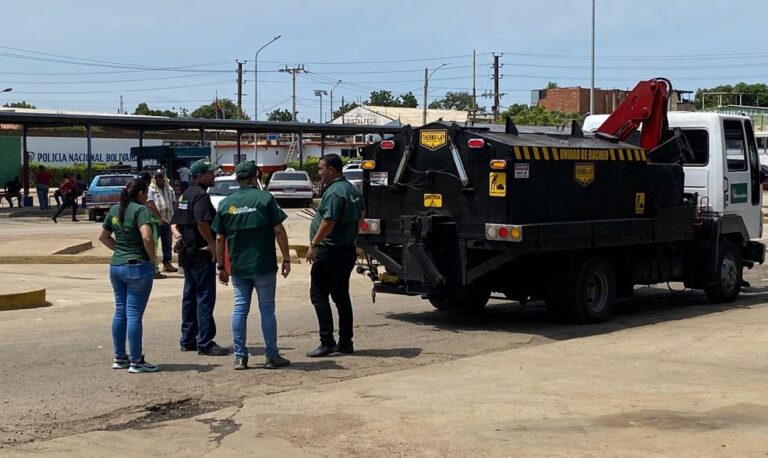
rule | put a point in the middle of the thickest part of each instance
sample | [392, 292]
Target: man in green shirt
[247, 224]
[332, 254]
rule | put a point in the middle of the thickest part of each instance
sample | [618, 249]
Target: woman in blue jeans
[127, 231]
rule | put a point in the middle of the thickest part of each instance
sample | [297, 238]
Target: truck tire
[470, 302]
[724, 283]
[91, 215]
[438, 303]
[589, 296]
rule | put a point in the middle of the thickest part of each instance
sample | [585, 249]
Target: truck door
[741, 186]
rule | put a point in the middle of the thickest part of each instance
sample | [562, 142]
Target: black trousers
[69, 201]
[330, 276]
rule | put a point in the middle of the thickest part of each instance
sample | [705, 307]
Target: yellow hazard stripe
[536, 153]
[526, 153]
[545, 153]
[612, 153]
[518, 155]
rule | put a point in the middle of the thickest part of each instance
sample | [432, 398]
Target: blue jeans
[164, 234]
[198, 327]
[132, 284]
[265, 288]
[42, 196]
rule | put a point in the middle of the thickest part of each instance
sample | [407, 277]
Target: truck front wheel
[724, 282]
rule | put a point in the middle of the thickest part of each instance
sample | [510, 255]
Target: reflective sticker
[522, 171]
[433, 200]
[639, 203]
[433, 139]
[379, 178]
[584, 174]
[497, 184]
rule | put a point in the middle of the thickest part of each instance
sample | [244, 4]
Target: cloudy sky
[85, 54]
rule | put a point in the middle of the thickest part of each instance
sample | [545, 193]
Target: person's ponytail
[130, 193]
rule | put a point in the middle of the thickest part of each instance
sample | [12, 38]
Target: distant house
[370, 115]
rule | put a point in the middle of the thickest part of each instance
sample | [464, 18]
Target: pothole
[168, 411]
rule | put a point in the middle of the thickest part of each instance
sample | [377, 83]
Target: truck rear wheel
[589, 296]
[724, 282]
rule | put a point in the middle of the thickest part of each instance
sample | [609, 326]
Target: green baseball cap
[247, 169]
[202, 166]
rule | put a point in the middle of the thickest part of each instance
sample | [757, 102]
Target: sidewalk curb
[26, 300]
[55, 259]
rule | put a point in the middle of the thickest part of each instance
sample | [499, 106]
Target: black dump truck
[457, 213]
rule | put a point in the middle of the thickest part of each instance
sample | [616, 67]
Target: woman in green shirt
[127, 231]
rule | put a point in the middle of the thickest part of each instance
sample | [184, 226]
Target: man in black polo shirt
[197, 256]
[332, 254]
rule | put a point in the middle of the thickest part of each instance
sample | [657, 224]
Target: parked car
[352, 166]
[223, 186]
[104, 192]
[354, 176]
[291, 186]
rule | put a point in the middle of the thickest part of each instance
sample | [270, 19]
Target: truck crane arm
[646, 105]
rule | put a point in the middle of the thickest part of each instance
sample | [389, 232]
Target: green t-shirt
[343, 203]
[129, 244]
[247, 218]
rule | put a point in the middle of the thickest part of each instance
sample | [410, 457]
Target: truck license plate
[433, 200]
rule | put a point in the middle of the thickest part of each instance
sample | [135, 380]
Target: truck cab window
[699, 141]
[754, 164]
[735, 149]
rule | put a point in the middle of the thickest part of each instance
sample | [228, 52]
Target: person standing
[43, 181]
[160, 202]
[68, 189]
[13, 189]
[332, 254]
[247, 223]
[127, 232]
[184, 174]
[197, 256]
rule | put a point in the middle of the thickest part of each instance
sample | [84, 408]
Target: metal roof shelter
[29, 120]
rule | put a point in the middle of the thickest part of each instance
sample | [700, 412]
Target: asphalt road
[56, 378]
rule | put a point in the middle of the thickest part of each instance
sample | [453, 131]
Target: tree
[279, 115]
[453, 101]
[22, 104]
[143, 109]
[738, 94]
[209, 111]
[408, 100]
[384, 98]
[552, 85]
[344, 109]
[524, 115]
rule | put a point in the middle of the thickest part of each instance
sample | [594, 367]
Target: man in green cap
[247, 223]
[197, 256]
[332, 254]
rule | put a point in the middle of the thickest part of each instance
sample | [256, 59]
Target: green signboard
[739, 193]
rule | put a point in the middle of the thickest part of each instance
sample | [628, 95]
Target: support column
[25, 164]
[301, 150]
[89, 154]
[238, 158]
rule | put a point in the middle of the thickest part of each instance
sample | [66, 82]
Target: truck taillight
[370, 226]
[476, 143]
[503, 232]
[368, 165]
[387, 144]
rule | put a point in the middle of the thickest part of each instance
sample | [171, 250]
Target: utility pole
[121, 105]
[426, 89]
[474, 88]
[334, 87]
[239, 89]
[293, 71]
[496, 94]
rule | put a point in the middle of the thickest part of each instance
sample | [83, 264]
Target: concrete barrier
[25, 300]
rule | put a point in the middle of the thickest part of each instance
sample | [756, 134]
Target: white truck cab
[725, 169]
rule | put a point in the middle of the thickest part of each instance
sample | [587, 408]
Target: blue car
[104, 192]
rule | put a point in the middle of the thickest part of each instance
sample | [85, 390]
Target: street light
[320, 93]
[256, 79]
[427, 76]
[334, 87]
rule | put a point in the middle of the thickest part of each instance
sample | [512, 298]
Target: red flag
[218, 109]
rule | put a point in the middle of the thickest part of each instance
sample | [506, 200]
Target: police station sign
[80, 158]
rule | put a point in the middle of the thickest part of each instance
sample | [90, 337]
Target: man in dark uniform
[248, 223]
[332, 254]
[197, 256]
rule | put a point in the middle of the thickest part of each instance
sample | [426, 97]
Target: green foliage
[209, 111]
[22, 104]
[523, 115]
[279, 115]
[384, 98]
[453, 101]
[143, 109]
[344, 108]
[753, 95]
[552, 85]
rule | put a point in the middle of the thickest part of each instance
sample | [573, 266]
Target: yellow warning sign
[639, 203]
[433, 139]
[584, 174]
[433, 200]
[497, 182]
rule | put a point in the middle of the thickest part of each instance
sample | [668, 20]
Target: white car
[223, 186]
[354, 176]
[291, 186]
[352, 166]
